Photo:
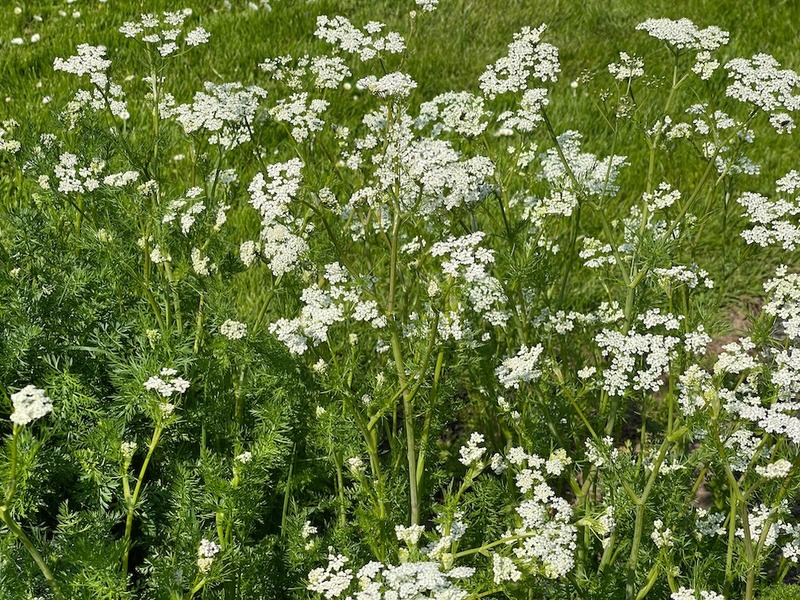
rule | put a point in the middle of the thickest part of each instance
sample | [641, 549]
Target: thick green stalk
[638, 528]
[134, 498]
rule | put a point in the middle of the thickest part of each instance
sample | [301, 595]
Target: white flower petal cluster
[523, 367]
[784, 300]
[685, 593]
[594, 176]
[528, 58]
[661, 198]
[683, 34]
[121, 179]
[164, 32]
[776, 470]
[504, 569]
[595, 254]
[425, 174]
[628, 67]
[322, 308]
[91, 60]
[233, 330]
[394, 85]
[77, 178]
[529, 114]
[409, 535]
[166, 384]
[206, 553]
[691, 276]
[778, 418]
[639, 360]
[428, 5]
[378, 581]
[695, 388]
[7, 143]
[661, 536]
[467, 262]
[760, 82]
[365, 42]
[30, 403]
[226, 111]
[472, 452]
[201, 264]
[461, 113]
[773, 219]
[549, 542]
[300, 115]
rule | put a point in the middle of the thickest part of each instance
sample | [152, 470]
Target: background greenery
[450, 50]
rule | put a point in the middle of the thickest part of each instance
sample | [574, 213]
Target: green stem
[134, 499]
[17, 531]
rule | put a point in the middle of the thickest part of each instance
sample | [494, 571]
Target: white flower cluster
[377, 581]
[662, 197]
[74, 178]
[30, 403]
[594, 176]
[662, 537]
[282, 249]
[628, 67]
[461, 113]
[504, 569]
[695, 389]
[225, 110]
[187, 210]
[528, 58]
[233, 330]
[523, 367]
[328, 71]
[91, 60]
[709, 524]
[205, 554]
[121, 179]
[653, 351]
[169, 386]
[128, 449]
[323, 308]
[529, 114]
[685, 593]
[425, 174]
[164, 32]
[472, 452]
[772, 219]
[427, 5]
[683, 34]
[778, 418]
[760, 82]
[8, 144]
[365, 43]
[677, 275]
[784, 300]
[776, 470]
[409, 535]
[391, 85]
[601, 454]
[595, 254]
[467, 262]
[562, 322]
[548, 542]
[300, 115]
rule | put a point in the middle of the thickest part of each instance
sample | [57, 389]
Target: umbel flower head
[30, 403]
